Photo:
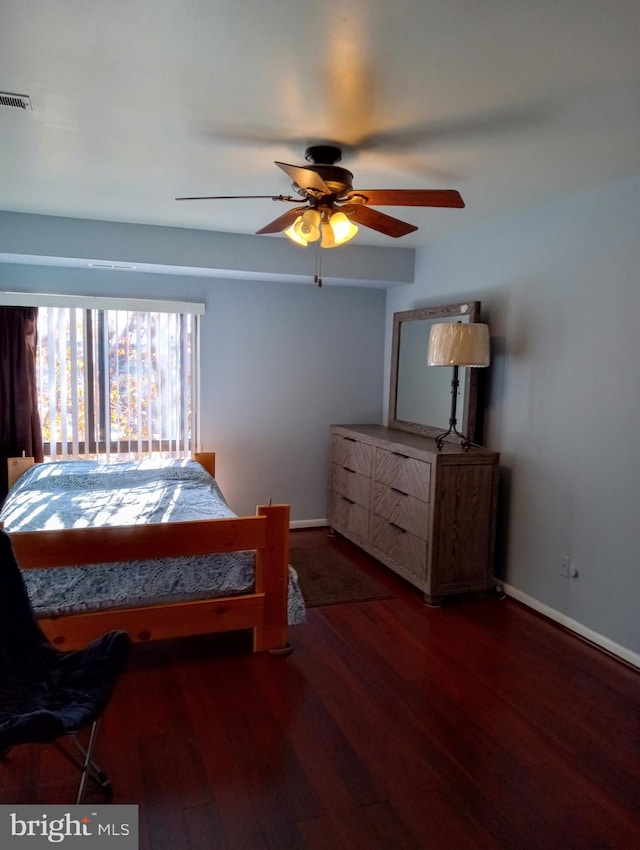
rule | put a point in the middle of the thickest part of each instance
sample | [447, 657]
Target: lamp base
[465, 442]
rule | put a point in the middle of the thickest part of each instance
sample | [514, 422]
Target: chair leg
[87, 766]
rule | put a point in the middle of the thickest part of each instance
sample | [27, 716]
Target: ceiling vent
[15, 101]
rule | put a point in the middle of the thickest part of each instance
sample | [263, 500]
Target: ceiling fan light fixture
[307, 225]
[293, 235]
[328, 237]
[343, 228]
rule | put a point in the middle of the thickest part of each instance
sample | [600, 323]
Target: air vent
[15, 101]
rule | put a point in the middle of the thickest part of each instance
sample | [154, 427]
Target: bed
[151, 547]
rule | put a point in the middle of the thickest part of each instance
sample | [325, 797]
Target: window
[119, 383]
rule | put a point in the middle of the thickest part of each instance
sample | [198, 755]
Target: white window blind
[118, 383]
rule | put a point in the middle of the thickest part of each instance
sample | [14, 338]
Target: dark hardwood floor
[391, 725]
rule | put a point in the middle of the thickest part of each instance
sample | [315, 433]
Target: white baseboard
[573, 625]
[308, 523]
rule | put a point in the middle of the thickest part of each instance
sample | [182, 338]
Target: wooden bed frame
[264, 610]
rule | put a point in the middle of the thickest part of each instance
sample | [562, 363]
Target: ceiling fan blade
[282, 222]
[409, 197]
[306, 178]
[378, 221]
[239, 197]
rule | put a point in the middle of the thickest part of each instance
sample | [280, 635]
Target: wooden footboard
[264, 610]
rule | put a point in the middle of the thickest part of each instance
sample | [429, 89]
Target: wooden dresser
[428, 515]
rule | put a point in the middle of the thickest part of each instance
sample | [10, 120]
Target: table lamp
[457, 344]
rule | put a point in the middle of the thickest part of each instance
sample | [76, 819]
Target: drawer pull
[397, 527]
[351, 439]
[399, 454]
[348, 469]
[401, 492]
[349, 501]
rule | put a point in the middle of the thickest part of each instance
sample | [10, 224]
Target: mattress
[79, 493]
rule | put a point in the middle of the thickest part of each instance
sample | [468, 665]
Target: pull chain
[317, 278]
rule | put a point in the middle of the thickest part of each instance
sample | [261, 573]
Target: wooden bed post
[208, 460]
[15, 467]
[272, 579]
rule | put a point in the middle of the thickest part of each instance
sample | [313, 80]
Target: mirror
[420, 395]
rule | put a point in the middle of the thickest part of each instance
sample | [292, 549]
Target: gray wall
[561, 292]
[280, 363]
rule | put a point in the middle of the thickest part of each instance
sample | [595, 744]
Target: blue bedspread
[78, 493]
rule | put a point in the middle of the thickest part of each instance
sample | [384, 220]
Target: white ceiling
[514, 104]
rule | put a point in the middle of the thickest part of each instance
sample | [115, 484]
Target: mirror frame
[467, 418]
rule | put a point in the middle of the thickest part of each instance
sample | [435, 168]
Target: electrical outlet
[565, 566]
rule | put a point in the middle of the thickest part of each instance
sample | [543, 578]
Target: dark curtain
[20, 429]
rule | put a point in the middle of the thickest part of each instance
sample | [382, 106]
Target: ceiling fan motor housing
[323, 159]
[323, 154]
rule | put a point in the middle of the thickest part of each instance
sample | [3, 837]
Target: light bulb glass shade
[328, 238]
[458, 344]
[343, 228]
[291, 233]
[307, 226]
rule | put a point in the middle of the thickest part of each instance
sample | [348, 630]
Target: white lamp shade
[458, 344]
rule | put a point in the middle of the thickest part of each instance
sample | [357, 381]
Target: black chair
[47, 695]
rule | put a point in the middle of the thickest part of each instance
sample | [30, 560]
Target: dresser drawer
[407, 474]
[348, 517]
[351, 484]
[401, 549]
[352, 454]
[397, 507]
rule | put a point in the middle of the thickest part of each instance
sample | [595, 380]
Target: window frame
[97, 445]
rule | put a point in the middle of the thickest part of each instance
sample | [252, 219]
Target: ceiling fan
[331, 209]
